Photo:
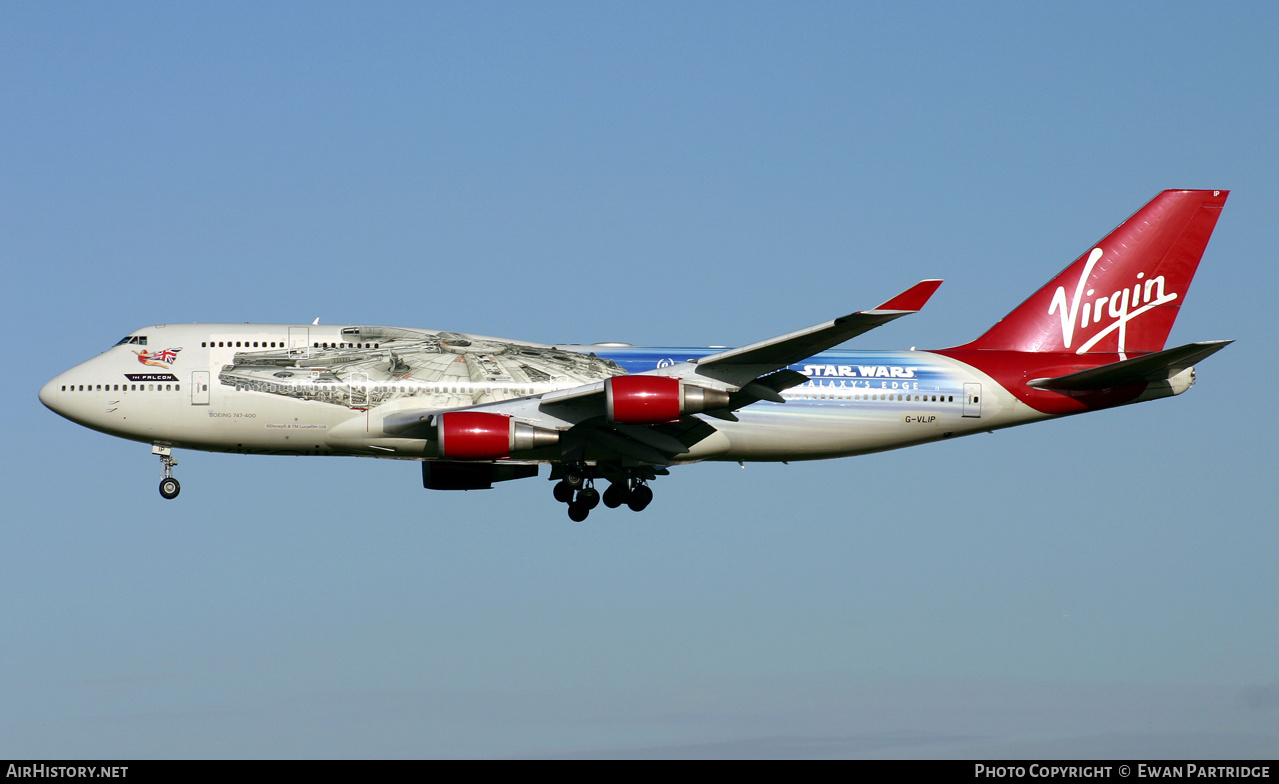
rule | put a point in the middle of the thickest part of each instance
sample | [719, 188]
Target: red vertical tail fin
[1123, 295]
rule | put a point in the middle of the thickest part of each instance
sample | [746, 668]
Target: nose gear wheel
[169, 487]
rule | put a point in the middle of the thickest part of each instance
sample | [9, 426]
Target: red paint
[913, 298]
[474, 435]
[1012, 369]
[642, 400]
[1128, 286]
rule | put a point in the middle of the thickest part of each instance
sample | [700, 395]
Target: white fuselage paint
[845, 409]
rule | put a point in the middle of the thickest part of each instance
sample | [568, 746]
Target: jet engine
[650, 400]
[480, 435]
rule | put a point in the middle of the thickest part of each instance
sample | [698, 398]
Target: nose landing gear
[169, 487]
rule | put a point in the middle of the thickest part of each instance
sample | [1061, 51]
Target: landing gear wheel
[563, 492]
[169, 488]
[615, 495]
[588, 498]
[640, 498]
[574, 478]
[577, 513]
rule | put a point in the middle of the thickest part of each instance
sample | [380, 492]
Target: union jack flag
[164, 356]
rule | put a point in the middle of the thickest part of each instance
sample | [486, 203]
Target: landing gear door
[200, 388]
[300, 341]
[972, 400]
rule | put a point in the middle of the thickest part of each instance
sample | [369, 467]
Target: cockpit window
[137, 340]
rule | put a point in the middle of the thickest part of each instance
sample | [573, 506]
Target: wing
[643, 417]
[738, 366]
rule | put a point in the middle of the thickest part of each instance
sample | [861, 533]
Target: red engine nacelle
[479, 435]
[650, 400]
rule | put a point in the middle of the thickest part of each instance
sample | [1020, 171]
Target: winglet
[912, 299]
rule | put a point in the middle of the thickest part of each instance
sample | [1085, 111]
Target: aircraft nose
[49, 395]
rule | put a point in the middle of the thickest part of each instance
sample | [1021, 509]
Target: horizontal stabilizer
[1159, 366]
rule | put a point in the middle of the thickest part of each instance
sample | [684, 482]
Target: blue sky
[662, 174]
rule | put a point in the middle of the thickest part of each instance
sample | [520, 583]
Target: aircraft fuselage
[307, 389]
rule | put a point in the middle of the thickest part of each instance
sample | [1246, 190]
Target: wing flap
[627, 447]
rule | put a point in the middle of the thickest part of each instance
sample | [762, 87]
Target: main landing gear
[169, 487]
[577, 489]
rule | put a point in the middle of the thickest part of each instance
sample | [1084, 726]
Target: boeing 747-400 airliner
[476, 410]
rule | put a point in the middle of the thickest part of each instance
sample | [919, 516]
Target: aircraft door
[300, 341]
[972, 400]
[200, 388]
